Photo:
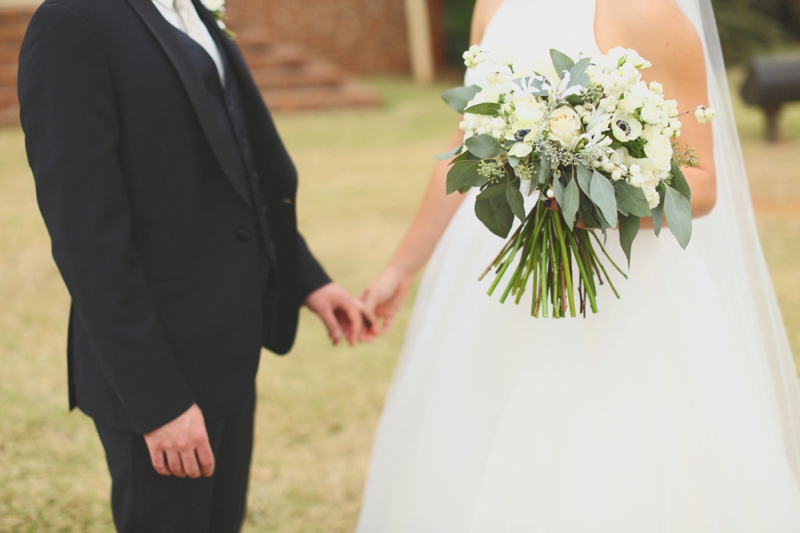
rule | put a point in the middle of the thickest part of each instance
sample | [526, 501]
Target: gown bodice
[530, 28]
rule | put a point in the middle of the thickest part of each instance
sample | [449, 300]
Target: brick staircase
[13, 23]
[290, 78]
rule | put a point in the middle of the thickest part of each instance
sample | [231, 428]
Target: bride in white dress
[675, 409]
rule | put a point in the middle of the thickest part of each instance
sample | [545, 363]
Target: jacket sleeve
[72, 135]
[311, 274]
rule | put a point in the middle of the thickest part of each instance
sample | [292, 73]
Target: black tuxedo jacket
[153, 231]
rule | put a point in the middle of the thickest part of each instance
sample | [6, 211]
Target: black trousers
[145, 502]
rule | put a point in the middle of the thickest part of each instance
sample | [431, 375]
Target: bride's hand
[383, 298]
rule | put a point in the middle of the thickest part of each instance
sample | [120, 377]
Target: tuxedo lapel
[235, 58]
[165, 35]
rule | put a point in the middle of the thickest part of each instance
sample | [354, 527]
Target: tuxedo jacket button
[242, 235]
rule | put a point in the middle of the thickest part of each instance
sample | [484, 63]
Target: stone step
[8, 75]
[289, 77]
[16, 14]
[304, 99]
[248, 38]
[9, 53]
[281, 54]
[312, 74]
[9, 107]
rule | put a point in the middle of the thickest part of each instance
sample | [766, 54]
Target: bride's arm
[384, 296]
[662, 34]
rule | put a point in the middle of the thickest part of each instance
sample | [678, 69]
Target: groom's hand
[340, 312]
[181, 447]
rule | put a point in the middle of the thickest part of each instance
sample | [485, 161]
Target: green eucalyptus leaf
[561, 62]
[484, 146]
[658, 212]
[584, 179]
[679, 182]
[513, 161]
[632, 199]
[516, 202]
[447, 155]
[558, 191]
[544, 171]
[598, 216]
[459, 98]
[491, 208]
[536, 87]
[603, 196]
[628, 229]
[486, 108]
[679, 215]
[464, 174]
[586, 212]
[572, 199]
[493, 192]
[465, 156]
[578, 74]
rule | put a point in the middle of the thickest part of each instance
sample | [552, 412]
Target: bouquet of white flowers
[591, 135]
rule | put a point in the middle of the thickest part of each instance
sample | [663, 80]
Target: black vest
[227, 103]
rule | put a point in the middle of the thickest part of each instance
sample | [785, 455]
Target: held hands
[181, 447]
[383, 297]
[358, 319]
[340, 312]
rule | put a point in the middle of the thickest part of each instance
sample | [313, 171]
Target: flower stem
[566, 263]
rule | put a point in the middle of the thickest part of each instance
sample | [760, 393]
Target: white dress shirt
[167, 9]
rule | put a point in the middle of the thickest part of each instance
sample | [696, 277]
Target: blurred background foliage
[746, 27]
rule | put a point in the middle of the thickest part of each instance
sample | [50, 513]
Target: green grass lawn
[362, 174]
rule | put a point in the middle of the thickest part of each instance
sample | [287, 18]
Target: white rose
[565, 127]
[625, 127]
[660, 151]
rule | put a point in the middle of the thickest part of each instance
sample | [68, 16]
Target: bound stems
[544, 252]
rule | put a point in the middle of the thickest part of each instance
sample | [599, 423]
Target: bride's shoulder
[483, 14]
[658, 29]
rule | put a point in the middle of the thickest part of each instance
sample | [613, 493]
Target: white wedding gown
[659, 414]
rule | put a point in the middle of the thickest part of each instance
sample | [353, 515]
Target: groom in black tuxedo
[170, 201]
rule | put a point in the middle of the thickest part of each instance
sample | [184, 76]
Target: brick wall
[363, 36]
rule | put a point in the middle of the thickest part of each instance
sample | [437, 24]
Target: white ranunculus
[625, 127]
[651, 113]
[528, 109]
[660, 151]
[565, 127]
[214, 5]
[651, 131]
